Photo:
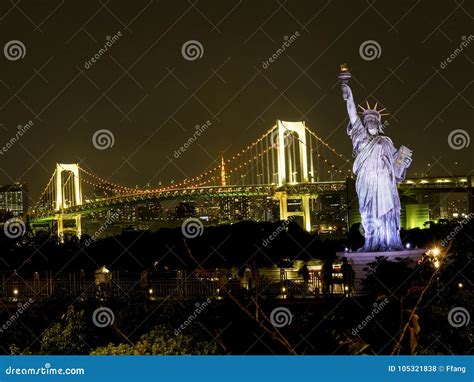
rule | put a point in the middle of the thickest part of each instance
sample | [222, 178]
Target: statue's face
[371, 124]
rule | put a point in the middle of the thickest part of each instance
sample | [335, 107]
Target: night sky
[151, 98]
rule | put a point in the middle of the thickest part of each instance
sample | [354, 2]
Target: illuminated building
[208, 209]
[235, 208]
[150, 211]
[414, 215]
[13, 199]
[331, 210]
[185, 210]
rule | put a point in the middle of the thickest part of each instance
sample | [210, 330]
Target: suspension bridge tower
[68, 193]
[292, 164]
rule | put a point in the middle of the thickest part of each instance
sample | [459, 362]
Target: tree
[161, 341]
[71, 336]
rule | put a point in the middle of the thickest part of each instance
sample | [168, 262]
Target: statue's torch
[344, 77]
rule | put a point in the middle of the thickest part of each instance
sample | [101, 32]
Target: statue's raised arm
[344, 77]
[351, 107]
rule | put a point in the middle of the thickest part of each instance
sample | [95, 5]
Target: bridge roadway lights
[283, 197]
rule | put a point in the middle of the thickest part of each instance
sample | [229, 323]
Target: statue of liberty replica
[378, 168]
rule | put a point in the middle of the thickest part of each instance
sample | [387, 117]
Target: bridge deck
[453, 184]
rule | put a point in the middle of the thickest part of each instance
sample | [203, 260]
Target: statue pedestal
[360, 260]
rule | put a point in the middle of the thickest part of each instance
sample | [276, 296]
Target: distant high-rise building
[332, 210]
[13, 200]
[150, 211]
[185, 209]
[235, 208]
[264, 208]
[208, 209]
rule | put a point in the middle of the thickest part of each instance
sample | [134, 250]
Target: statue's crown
[372, 111]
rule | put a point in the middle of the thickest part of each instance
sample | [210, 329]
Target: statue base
[361, 260]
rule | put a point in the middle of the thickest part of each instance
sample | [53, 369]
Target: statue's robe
[376, 187]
